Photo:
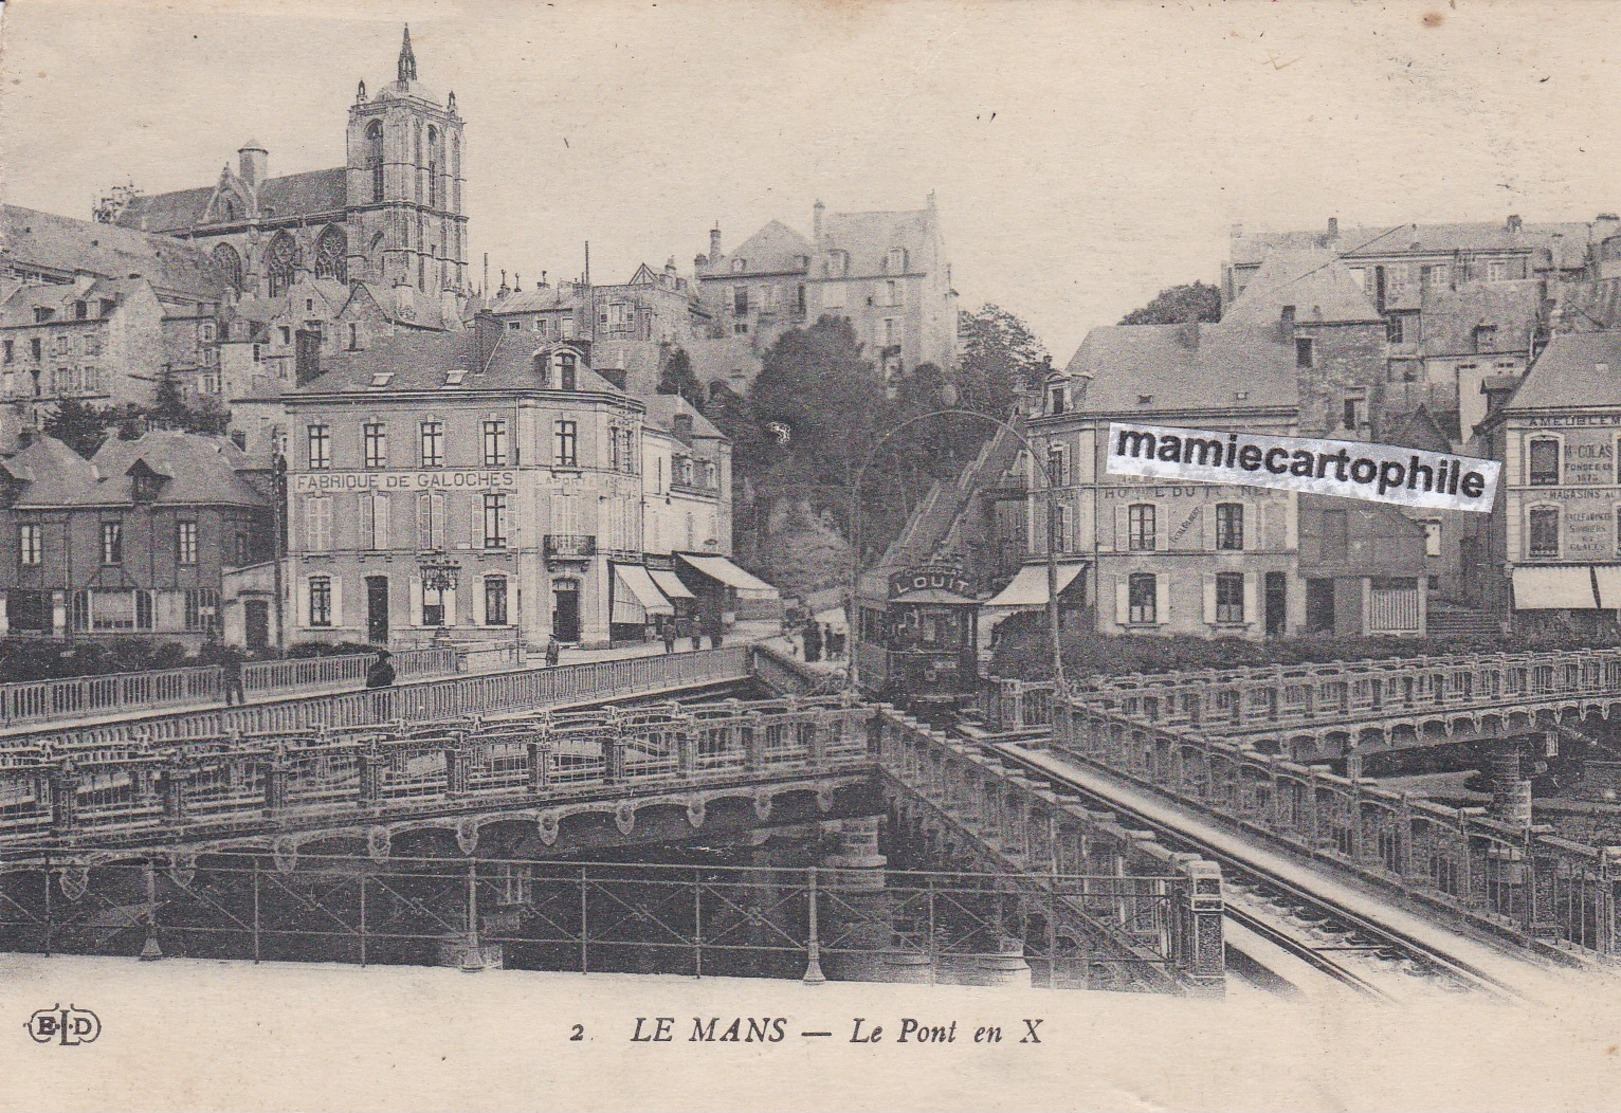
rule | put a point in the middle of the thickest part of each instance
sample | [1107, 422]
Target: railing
[423, 701]
[51, 701]
[570, 545]
[1266, 698]
[730, 921]
[335, 673]
[232, 784]
[1528, 883]
[1174, 929]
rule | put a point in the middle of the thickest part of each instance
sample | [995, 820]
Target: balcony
[570, 546]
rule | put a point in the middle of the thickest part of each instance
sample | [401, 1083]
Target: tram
[916, 639]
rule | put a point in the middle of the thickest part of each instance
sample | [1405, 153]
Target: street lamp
[949, 397]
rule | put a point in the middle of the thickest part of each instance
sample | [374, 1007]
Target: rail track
[1372, 959]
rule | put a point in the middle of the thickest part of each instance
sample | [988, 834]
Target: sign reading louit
[320, 482]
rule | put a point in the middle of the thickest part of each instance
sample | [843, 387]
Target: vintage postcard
[810, 555]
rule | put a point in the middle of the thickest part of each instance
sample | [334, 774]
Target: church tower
[406, 226]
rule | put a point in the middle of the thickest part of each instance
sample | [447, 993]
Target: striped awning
[1554, 589]
[671, 584]
[636, 595]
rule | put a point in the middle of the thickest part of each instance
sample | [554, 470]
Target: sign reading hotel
[428, 480]
[1344, 469]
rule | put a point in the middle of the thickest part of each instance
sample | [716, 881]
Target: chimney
[714, 243]
[253, 163]
[487, 333]
[816, 222]
[1514, 222]
[1333, 228]
[681, 426]
[1189, 331]
[306, 356]
[1498, 389]
[1286, 323]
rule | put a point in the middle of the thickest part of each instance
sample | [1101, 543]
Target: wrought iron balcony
[571, 546]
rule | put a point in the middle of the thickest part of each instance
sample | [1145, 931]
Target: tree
[999, 354]
[80, 426]
[677, 377]
[1176, 304]
[171, 410]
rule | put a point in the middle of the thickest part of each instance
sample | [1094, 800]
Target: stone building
[135, 541]
[887, 272]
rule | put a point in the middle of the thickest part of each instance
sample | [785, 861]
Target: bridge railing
[348, 670]
[421, 701]
[54, 701]
[1176, 930]
[1525, 882]
[231, 785]
[1236, 701]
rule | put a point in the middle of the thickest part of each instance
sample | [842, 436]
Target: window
[112, 542]
[30, 544]
[354, 337]
[35, 349]
[1544, 533]
[838, 264]
[1304, 355]
[495, 600]
[495, 444]
[186, 543]
[799, 299]
[258, 353]
[320, 443]
[566, 367]
[433, 606]
[1141, 591]
[892, 292]
[1141, 528]
[431, 441]
[374, 444]
[1496, 270]
[1229, 597]
[1544, 462]
[11, 350]
[1437, 275]
[201, 605]
[567, 445]
[318, 524]
[62, 345]
[431, 520]
[740, 300]
[895, 263]
[1393, 329]
[374, 520]
[1057, 466]
[1432, 537]
[1229, 526]
[495, 521]
[1056, 399]
[320, 600]
[1352, 417]
[739, 266]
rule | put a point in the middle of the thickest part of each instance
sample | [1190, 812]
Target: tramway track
[1376, 960]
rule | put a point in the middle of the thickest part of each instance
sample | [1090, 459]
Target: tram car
[916, 639]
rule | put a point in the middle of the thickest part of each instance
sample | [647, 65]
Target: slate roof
[774, 249]
[18, 309]
[1128, 362]
[310, 193]
[50, 468]
[867, 237]
[427, 313]
[537, 301]
[199, 470]
[1417, 430]
[419, 361]
[61, 243]
[661, 411]
[1567, 374]
[1313, 280]
[1564, 244]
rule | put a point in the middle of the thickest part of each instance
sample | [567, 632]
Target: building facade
[136, 541]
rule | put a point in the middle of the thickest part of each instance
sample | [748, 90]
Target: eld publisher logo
[69, 1027]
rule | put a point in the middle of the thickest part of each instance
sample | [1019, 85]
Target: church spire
[408, 60]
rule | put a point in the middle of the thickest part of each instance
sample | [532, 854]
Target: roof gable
[1313, 280]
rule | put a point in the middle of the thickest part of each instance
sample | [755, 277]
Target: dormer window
[80, 311]
[1145, 399]
[1057, 398]
[107, 306]
[838, 264]
[896, 261]
[739, 266]
[145, 484]
[566, 370]
[41, 314]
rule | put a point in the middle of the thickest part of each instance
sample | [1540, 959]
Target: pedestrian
[830, 647]
[230, 661]
[697, 636]
[813, 642]
[554, 653]
[381, 673]
[669, 636]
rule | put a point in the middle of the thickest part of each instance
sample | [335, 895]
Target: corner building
[463, 486]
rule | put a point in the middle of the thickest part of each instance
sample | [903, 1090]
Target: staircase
[1449, 620]
[930, 528]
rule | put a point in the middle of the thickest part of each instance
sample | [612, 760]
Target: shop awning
[636, 595]
[721, 570]
[1609, 585]
[1029, 587]
[670, 584]
[1549, 589]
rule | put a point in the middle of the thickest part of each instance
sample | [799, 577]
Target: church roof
[311, 193]
[35, 239]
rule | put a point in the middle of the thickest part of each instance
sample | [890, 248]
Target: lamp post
[852, 675]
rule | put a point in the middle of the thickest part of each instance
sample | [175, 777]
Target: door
[256, 616]
[1277, 603]
[1320, 606]
[566, 610]
[377, 610]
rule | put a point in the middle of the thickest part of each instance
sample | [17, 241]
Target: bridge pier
[1511, 789]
